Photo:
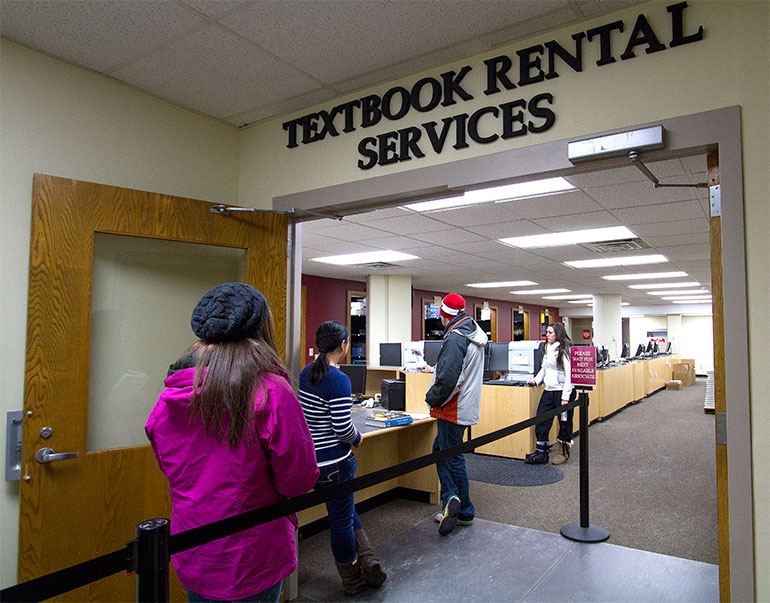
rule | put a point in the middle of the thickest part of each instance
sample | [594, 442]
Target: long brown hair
[565, 343]
[233, 376]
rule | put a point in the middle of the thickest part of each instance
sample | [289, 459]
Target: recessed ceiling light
[686, 297]
[572, 237]
[682, 292]
[502, 284]
[692, 301]
[634, 277]
[663, 285]
[539, 291]
[507, 192]
[629, 260]
[367, 257]
[573, 296]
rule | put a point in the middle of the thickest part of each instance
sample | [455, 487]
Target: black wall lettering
[497, 71]
[605, 47]
[452, 86]
[409, 138]
[437, 140]
[473, 125]
[575, 62]
[404, 98]
[370, 154]
[460, 123]
[549, 117]
[527, 63]
[370, 111]
[642, 34]
[435, 97]
[677, 26]
[388, 150]
[510, 118]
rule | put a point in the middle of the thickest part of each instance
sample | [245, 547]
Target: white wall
[697, 341]
[65, 121]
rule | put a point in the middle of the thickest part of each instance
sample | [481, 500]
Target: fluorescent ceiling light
[502, 284]
[573, 296]
[663, 285]
[508, 192]
[686, 297]
[572, 237]
[683, 292]
[366, 258]
[629, 260]
[693, 301]
[580, 301]
[539, 291]
[635, 277]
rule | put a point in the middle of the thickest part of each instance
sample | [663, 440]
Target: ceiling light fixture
[635, 277]
[573, 296]
[367, 257]
[686, 297]
[663, 285]
[572, 237]
[682, 292]
[498, 194]
[630, 260]
[539, 291]
[502, 284]
[692, 301]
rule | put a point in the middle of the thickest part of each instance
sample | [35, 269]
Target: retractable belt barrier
[128, 558]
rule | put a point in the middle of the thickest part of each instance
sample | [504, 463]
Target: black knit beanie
[230, 312]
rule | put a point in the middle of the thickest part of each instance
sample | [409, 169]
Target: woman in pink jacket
[230, 436]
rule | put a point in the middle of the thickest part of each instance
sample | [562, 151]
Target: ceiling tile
[222, 62]
[476, 215]
[407, 225]
[518, 228]
[680, 210]
[216, 8]
[346, 231]
[671, 228]
[679, 239]
[597, 219]
[563, 204]
[686, 252]
[638, 193]
[456, 237]
[96, 35]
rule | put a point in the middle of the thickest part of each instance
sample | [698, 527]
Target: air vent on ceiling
[378, 265]
[619, 245]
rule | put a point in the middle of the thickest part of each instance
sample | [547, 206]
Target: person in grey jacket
[454, 397]
[555, 374]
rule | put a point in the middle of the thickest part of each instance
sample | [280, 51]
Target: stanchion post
[152, 573]
[584, 532]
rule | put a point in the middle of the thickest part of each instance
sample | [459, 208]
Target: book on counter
[388, 418]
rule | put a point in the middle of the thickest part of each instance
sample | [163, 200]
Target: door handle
[46, 455]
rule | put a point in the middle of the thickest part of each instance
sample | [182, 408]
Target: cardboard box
[674, 384]
[684, 373]
[687, 362]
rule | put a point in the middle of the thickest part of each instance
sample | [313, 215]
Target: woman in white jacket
[555, 374]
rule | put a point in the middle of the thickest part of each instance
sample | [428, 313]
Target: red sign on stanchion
[583, 364]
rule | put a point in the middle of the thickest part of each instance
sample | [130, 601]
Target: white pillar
[674, 331]
[608, 324]
[388, 312]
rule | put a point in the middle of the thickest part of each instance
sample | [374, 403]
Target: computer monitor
[390, 354]
[626, 351]
[648, 350]
[605, 355]
[639, 350]
[668, 347]
[496, 357]
[357, 375]
[430, 351]
[655, 348]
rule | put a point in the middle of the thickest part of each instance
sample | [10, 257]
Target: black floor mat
[509, 472]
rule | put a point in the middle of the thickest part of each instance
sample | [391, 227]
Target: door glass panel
[144, 292]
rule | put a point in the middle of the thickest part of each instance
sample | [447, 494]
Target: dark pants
[343, 518]
[549, 401]
[269, 595]
[451, 472]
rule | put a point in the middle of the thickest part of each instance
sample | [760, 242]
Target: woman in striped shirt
[324, 393]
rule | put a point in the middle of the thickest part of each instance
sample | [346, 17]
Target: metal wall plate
[13, 431]
[715, 200]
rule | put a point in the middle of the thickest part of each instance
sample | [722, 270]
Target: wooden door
[77, 509]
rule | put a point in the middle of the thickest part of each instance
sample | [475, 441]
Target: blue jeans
[343, 518]
[269, 595]
[451, 472]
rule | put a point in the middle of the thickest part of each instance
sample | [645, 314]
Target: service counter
[385, 447]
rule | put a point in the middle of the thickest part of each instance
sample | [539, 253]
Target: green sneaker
[462, 523]
[449, 516]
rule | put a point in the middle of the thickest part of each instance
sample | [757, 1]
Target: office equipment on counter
[393, 395]
[390, 354]
[430, 351]
[523, 360]
[357, 375]
[387, 418]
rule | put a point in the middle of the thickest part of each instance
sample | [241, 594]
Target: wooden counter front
[614, 389]
[385, 447]
[504, 405]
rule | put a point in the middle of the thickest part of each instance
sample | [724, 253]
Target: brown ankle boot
[562, 453]
[370, 566]
[352, 580]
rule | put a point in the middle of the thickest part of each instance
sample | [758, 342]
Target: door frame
[700, 133]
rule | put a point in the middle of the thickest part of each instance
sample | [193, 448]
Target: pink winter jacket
[209, 480]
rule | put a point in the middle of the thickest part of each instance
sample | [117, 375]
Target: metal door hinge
[715, 201]
[721, 418]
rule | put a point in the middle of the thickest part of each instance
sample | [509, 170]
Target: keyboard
[504, 382]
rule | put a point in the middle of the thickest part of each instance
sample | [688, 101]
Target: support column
[388, 312]
[608, 324]
[673, 331]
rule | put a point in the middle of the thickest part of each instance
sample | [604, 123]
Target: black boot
[539, 457]
[371, 569]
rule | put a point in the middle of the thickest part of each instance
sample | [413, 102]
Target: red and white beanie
[452, 305]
